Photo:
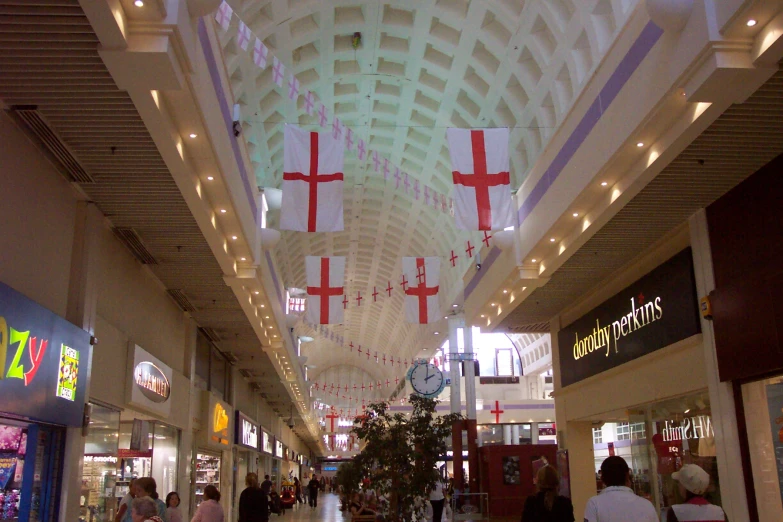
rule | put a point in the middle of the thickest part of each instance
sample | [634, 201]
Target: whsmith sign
[658, 310]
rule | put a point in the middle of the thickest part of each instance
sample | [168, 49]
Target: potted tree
[400, 453]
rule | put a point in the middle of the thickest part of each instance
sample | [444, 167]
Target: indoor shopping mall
[414, 260]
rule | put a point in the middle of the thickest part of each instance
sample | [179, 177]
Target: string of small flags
[287, 81]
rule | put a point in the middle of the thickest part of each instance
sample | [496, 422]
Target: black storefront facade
[746, 241]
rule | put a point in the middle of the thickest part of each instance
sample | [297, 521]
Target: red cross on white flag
[421, 296]
[278, 71]
[293, 88]
[260, 53]
[223, 15]
[309, 102]
[361, 150]
[312, 182]
[482, 185]
[325, 285]
[243, 35]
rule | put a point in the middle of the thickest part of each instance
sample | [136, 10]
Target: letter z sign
[9, 337]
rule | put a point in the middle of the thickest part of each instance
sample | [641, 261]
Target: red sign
[134, 454]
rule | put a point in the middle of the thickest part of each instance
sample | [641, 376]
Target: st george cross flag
[422, 304]
[312, 182]
[325, 286]
[482, 185]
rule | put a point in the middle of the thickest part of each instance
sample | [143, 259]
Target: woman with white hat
[693, 482]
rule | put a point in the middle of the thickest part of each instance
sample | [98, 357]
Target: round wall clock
[426, 379]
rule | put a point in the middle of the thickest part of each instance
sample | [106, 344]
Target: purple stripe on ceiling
[225, 111]
[529, 406]
[491, 257]
[627, 66]
[274, 279]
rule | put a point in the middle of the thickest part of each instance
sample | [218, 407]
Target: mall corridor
[328, 510]
[286, 239]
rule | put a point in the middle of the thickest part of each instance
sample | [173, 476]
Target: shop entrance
[30, 466]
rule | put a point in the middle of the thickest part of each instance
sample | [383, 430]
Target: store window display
[147, 449]
[98, 498]
[13, 447]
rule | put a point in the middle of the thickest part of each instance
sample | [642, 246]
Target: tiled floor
[328, 510]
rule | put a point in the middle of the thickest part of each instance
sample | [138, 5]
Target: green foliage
[400, 453]
[349, 476]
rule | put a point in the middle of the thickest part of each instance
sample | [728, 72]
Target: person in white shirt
[618, 502]
[437, 500]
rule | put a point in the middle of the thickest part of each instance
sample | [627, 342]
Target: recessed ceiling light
[210, 178]
[262, 306]
[576, 214]
[482, 316]
[533, 260]
[234, 238]
[193, 135]
[266, 317]
[138, 3]
[243, 259]
[751, 22]
[640, 144]
[223, 211]
[454, 306]
[436, 333]
[256, 292]
[551, 240]
[604, 183]
[492, 304]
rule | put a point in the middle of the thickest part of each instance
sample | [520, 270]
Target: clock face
[427, 380]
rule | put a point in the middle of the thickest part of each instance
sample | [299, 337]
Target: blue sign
[43, 362]
[330, 468]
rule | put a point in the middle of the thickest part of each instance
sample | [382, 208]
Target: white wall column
[515, 434]
[724, 420]
[534, 432]
[507, 434]
[455, 322]
[81, 311]
[470, 374]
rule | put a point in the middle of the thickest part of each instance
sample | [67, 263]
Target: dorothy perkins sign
[654, 312]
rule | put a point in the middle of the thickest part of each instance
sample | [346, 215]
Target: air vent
[247, 374]
[133, 242]
[181, 300]
[210, 334]
[530, 328]
[51, 143]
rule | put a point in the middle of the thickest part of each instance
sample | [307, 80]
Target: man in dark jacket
[266, 485]
[253, 504]
[312, 488]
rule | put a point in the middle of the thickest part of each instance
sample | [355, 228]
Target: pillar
[724, 418]
[470, 407]
[515, 434]
[81, 311]
[455, 322]
[507, 440]
[534, 433]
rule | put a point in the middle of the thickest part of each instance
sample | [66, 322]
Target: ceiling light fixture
[492, 304]
[454, 306]
[256, 292]
[234, 238]
[533, 260]
[436, 333]
[551, 240]
[193, 135]
[210, 178]
[604, 183]
[505, 291]
[266, 317]
[262, 306]
[751, 22]
[243, 259]
[482, 316]
[223, 211]
[576, 214]
[640, 144]
[138, 3]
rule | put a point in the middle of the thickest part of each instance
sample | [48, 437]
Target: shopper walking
[298, 490]
[172, 507]
[124, 512]
[437, 500]
[144, 509]
[210, 509]
[266, 485]
[253, 503]
[547, 505]
[313, 486]
[694, 482]
[618, 502]
[147, 487]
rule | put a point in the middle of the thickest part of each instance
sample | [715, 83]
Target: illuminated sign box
[654, 312]
[266, 440]
[218, 430]
[43, 362]
[246, 432]
[149, 382]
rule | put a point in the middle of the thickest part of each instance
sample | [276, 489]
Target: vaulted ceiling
[421, 66]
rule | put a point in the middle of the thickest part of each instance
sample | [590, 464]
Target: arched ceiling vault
[422, 66]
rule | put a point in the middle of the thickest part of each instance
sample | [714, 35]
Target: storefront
[134, 442]
[212, 464]
[633, 381]
[277, 463]
[746, 247]
[46, 363]
[246, 448]
[267, 451]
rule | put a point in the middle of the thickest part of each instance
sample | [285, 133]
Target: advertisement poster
[775, 404]
[511, 473]
[7, 465]
[69, 372]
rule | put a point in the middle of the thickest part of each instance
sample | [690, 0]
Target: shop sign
[219, 428]
[266, 440]
[657, 310]
[101, 457]
[247, 432]
[150, 382]
[44, 361]
[699, 427]
[134, 454]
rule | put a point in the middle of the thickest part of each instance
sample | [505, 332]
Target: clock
[426, 379]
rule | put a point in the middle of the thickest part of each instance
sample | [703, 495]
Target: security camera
[478, 266]
[478, 261]
[291, 423]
